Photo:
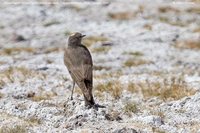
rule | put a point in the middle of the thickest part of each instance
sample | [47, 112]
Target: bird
[78, 60]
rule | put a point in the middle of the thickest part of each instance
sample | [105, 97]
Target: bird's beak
[83, 36]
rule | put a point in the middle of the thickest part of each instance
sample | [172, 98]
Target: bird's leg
[72, 90]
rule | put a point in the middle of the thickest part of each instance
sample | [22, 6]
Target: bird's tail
[86, 88]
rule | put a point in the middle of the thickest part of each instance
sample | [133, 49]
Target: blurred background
[146, 55]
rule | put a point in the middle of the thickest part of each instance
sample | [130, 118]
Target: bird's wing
[79, 64]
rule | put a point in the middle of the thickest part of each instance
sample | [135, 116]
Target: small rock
[125, 130]
[112, 117]
[18, 38]
[107, 44]
[31, 94]
[42, 68]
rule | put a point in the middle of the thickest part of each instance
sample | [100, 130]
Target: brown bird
[78, 61]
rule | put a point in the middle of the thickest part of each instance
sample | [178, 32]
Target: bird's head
[75, 38]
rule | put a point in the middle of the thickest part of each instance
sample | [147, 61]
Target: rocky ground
[146, 66]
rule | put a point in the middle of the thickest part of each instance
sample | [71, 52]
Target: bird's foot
[94, 106]
[99, 106]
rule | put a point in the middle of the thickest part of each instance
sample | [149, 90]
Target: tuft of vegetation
[101, 49]
[2, 62]
[100, 67]
[173, 89]
[148, 27]
[135, 53]
[194, 10]
[135, 62]
[33, 121]
[165, 9]
[14, 129]
[130, 108]
[14, 73]
[112, 87]
[76, 7]
[126, 15]
[157, 130]
[43, 95]
[17, 50]
[18, 74]
[51, 49]
[90, 40]
[99, 94]
[2, 82]
[188, 44]
[133, 88]
[50, 23]
[197, 30]
[172, 22]
[122, 15]
[117, 74]
[1, 95]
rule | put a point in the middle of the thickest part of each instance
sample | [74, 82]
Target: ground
[146, 66]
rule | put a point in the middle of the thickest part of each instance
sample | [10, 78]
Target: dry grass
[133, 88]
[33, 121]
[168, 89]
[174, 89]
[126, 15]
[42, 95]
[100, 67]
[17, 50]
[130, 108]
[135, 53]
[188, 44]
[1, 95]
[100, 95]
[101, 49]
[114, 88]
[77, 90]
[14, 73]
[75, 7]
[197, 30]
[2, 82]
[194, 10]
[148, 27]
[49, 61]
[172, 22]
[18, 124]
[51, 49]
[18, 74]
[116, 75]
[122, 15]
[157, 113]
[165, 9]
[2, 62]
[50, 23]
[197, 1]
[135, 62]
[13, 129]
[88, 41]
[157, 130]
